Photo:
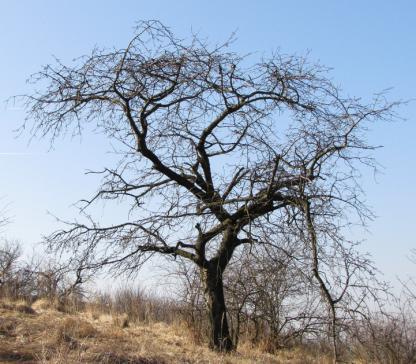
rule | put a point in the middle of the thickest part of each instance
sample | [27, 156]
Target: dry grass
[44, 304]
[19, 306]
[51, 336]
[71, 329]
[121, 321]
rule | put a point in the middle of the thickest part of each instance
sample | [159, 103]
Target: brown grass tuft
[71, 329]
[7, 326]
[121, 321]
[25, 309]
[44, 304]
[19, 306]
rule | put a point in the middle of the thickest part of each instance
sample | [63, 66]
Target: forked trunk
[220, 338]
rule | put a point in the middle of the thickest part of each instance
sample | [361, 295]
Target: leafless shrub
[134, 305]
[271, 301]
[386, 337]
[16, 280]
[39, 279]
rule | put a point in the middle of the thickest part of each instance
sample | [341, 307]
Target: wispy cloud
[15, 153]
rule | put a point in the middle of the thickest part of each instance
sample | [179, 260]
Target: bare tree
[9, 256]
[214, 148]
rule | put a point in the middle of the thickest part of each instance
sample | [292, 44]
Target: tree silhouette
[216, 150]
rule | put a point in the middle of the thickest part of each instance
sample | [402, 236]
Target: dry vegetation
[131, 327]
[273, 321]
[42, 334]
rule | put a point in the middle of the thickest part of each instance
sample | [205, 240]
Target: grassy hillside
[42, 334]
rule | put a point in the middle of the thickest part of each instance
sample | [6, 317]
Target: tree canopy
[216, 151]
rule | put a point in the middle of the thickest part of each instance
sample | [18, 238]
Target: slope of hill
[42, 334]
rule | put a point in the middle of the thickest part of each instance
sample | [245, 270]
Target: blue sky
[369, 44]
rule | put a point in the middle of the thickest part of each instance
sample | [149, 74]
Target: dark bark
[220, 338]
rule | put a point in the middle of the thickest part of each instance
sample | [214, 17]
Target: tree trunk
[333, 334]
[220, 338]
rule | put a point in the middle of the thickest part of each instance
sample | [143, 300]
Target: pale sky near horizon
[369, 44]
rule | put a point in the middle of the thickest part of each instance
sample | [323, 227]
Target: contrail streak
[14, 153]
